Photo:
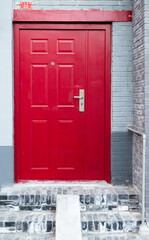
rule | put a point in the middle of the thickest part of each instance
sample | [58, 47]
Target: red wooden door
[57, 141]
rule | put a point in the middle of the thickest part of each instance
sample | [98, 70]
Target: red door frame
[83, 18]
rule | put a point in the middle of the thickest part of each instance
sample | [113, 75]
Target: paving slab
[25, 237]
[68, 219]
[47, 237]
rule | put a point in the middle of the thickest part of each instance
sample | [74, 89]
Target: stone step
[26, 222]
[44, 222]
[110, 222]
[47, 237]
[96, 197]
[114, 237]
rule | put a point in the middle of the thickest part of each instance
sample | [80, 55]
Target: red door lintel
[81, 16]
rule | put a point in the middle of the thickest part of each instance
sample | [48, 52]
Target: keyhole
[52, 63]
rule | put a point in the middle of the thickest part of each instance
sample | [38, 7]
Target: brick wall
[76, 4]
[146, 42]
[121, 141]
[141, 92]
[138, 90]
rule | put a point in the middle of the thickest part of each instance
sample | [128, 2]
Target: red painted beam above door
[71, 16]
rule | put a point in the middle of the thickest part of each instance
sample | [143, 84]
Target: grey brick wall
[121, 139]
[146, 42]
[6, 96]
[138, 90]
[76, 4]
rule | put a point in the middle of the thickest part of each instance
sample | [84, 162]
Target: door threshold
[62, 183]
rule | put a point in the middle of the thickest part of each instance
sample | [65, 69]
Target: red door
[62, 136]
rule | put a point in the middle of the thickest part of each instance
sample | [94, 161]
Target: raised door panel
[69, 141]
[96, 104]
[50, 75]
[34, 105]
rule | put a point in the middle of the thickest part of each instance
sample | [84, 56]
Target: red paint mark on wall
[25, 5]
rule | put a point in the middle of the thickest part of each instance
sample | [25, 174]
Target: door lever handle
[81, 100]
[79, 97]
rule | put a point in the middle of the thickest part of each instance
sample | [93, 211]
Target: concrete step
[47, 237]
[93, 197]
[44, 222]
